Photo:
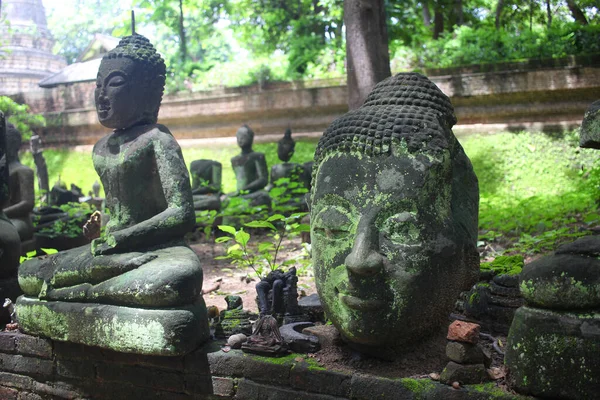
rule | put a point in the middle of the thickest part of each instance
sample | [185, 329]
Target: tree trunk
[438, 21]
[182, 39]
[576, 12]
[367, 53]
[549, 14]
[426, 13]
[499, 7]
[460, 18]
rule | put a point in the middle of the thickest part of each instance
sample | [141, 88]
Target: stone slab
[554, 354]
[165, 332]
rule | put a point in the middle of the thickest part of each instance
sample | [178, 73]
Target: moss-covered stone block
[555, 354]
[165, 332]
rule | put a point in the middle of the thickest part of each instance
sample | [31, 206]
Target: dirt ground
[227, 279]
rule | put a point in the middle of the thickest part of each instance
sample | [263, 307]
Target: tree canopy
[209, 43]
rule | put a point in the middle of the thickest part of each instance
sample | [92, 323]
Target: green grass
[535, 189]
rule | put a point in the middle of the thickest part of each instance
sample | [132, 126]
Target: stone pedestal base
[555, 354]
[163, 332]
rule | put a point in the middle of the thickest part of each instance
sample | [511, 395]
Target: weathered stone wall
[531, 95]
[32, 368]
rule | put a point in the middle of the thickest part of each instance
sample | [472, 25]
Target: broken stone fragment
[462, 331]
[464, 353]
[464, 374]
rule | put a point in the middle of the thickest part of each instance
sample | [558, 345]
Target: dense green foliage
[19, 115]
[211, 43]
[535, 189]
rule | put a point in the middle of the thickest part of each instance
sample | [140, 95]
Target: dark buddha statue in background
[10, 242]
[206, 184]
[19, 205]
[292, 177]
[250, 169]
[139, 274]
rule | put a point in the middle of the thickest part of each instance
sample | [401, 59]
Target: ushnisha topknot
[151, 65]
[406, 108]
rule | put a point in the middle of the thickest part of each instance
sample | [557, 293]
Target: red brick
[462, 331]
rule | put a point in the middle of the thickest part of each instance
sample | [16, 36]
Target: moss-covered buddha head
[130, 84]
[394, 209]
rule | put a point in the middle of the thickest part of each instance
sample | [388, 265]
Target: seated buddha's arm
[27, 197]
[262, 174]
[173, 222]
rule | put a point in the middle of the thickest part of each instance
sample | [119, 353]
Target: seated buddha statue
[394, 208]
[297, 181]
[20, 203]
[10, 242]
[137, 287]
[250, 168]
[206, 184]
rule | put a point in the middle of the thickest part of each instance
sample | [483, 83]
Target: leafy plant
[71, 226]
[20, 116]
[262, 257]
[36, 253]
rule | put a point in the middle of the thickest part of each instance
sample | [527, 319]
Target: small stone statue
[139, 274]
[10, 242]
[96, 189]
[278, 293]
[250, 169]
[234, 319]
[394, 207]
[265, 339]
[41, 168]
[206, 184]
[60, 195]
[19, 205]
[299, 180]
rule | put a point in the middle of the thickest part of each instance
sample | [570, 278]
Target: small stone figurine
[278, 293]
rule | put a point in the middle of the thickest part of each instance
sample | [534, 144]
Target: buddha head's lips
[359, 304]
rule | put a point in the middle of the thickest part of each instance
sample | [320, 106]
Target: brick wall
[541, 95]
[32, 368]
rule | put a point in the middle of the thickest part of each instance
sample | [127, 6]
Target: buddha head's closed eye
[130, 84]
[393, 215]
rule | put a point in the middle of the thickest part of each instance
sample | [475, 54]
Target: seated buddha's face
[120, 93]
[382, 243]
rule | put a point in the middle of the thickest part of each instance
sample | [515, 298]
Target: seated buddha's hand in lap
[105, 245]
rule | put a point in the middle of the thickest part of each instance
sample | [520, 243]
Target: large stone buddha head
[130, 84]
[394, 207]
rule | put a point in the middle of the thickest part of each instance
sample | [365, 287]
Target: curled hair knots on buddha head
[152, 67]
[406, 109]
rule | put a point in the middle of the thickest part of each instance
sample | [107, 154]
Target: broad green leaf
[223, 239]
[49, 251]
[275, 217]
[265, 246]
[260, 224]
[228, 229]
[242, 237]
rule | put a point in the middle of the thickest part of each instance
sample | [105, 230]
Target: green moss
[490, 388]
[507, 265]
[288, 359]
[418, 386]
